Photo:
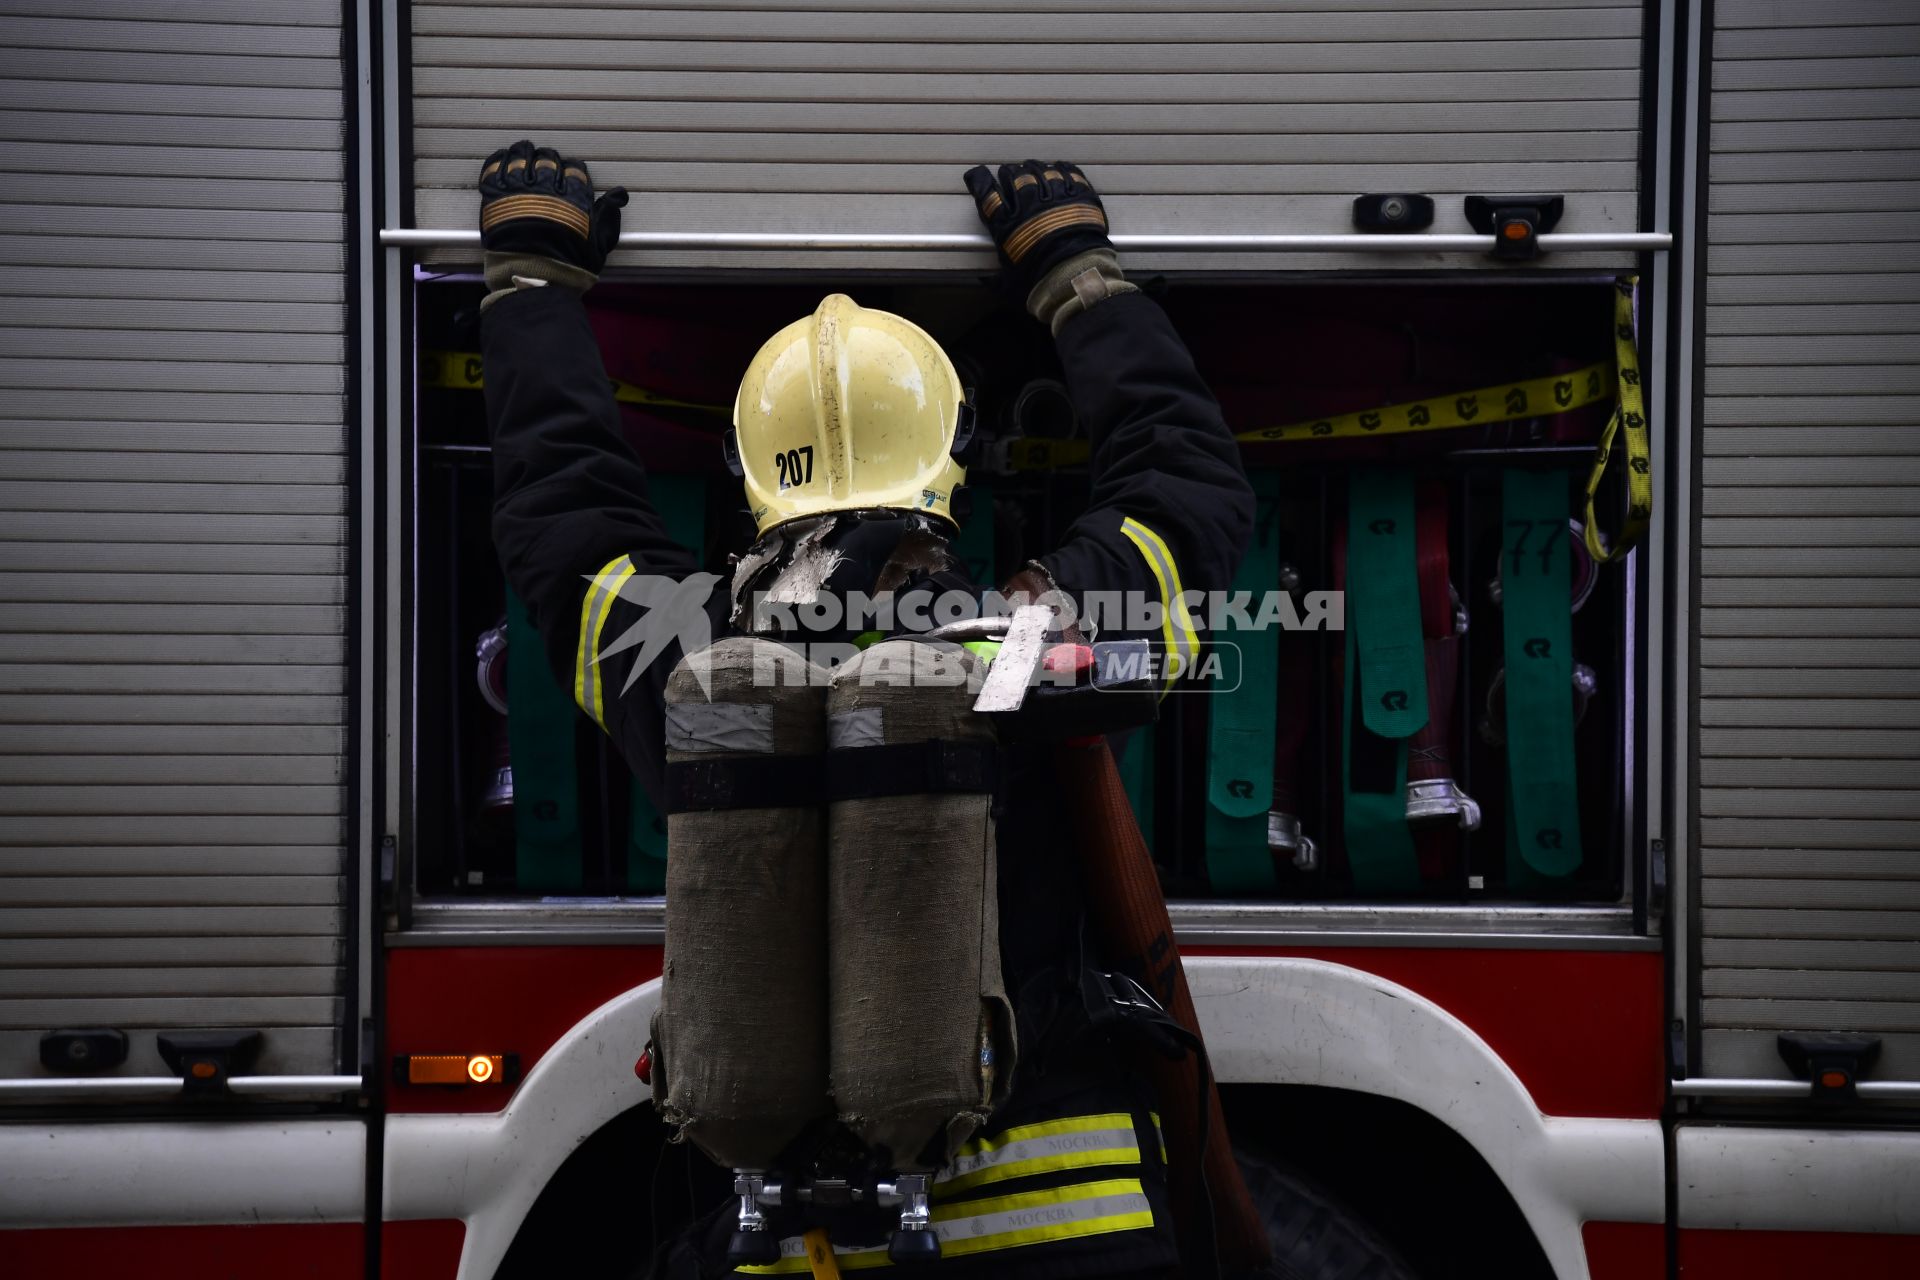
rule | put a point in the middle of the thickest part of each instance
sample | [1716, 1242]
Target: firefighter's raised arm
[569, 493]
[1170, 508]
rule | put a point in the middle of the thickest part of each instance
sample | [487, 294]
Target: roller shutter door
[860, 115]
[1809, 702]
[173, 524]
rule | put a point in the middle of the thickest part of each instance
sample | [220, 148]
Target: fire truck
[330, 931]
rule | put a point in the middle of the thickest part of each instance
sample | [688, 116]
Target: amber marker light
[456, 1068]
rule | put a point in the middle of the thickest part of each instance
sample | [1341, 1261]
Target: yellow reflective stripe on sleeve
[602, 589]
[1004, 1222]
[1077, 1143]
[1176, 627]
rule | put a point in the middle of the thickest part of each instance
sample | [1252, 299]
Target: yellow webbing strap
[1629, 423]
[1534, 398]
[820, 1257]
[460, 371]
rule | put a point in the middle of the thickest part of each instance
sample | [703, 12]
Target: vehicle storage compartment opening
[1419, 690]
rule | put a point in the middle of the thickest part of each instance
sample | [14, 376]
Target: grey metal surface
[795, 117]
[1356, 243]
[642, 922]
[173, 491]
[127, 1087]
[1809, 688]
[1728, 1087]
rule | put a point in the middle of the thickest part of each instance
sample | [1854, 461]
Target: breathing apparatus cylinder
[740, 1053]
[921, 1031]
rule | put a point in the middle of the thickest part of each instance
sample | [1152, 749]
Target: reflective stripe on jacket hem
[1005, 1222]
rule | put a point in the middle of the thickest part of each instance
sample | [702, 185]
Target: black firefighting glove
[539, 219]
[1051, 230]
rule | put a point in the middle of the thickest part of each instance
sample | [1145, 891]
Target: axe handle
[1123, 895]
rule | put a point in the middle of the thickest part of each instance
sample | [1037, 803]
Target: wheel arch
[1312, 1025]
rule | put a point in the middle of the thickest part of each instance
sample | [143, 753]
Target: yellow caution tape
[460, 371]
[1629, 423]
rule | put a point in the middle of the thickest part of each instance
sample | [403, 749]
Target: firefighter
[1170, 510]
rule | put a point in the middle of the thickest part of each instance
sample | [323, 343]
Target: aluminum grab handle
[1708, 1087]
[167, 1086]
[1572, 242]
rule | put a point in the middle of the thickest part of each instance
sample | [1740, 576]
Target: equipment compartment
[1297, 355]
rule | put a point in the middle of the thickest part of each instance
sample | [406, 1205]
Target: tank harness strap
[750, 782]
[936, 766]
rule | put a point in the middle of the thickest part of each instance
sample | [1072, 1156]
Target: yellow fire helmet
[849, 409]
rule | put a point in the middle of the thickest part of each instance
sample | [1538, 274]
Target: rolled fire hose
[540, 734]
[490, 673]
[1433, 795]
[1582, 576]
[1585, 682]
[681, 503]
[1043, 409]
[1130, 916]
[920, 1028]
[739, 1040]
[1287, 840]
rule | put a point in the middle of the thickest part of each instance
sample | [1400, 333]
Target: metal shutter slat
[176, 619]
[1806, 864]
[206, 770]
[1116, 122]
[178, 131]
[197, 468]
[191, 739]
[213, 860]
[171, 650]
[200, 981]
[160, 1011]
[1859, 895]
[81, 557]
[180, 677]
[114, 892]
[1840, 744]
[1803, 593]
[1812, 984]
